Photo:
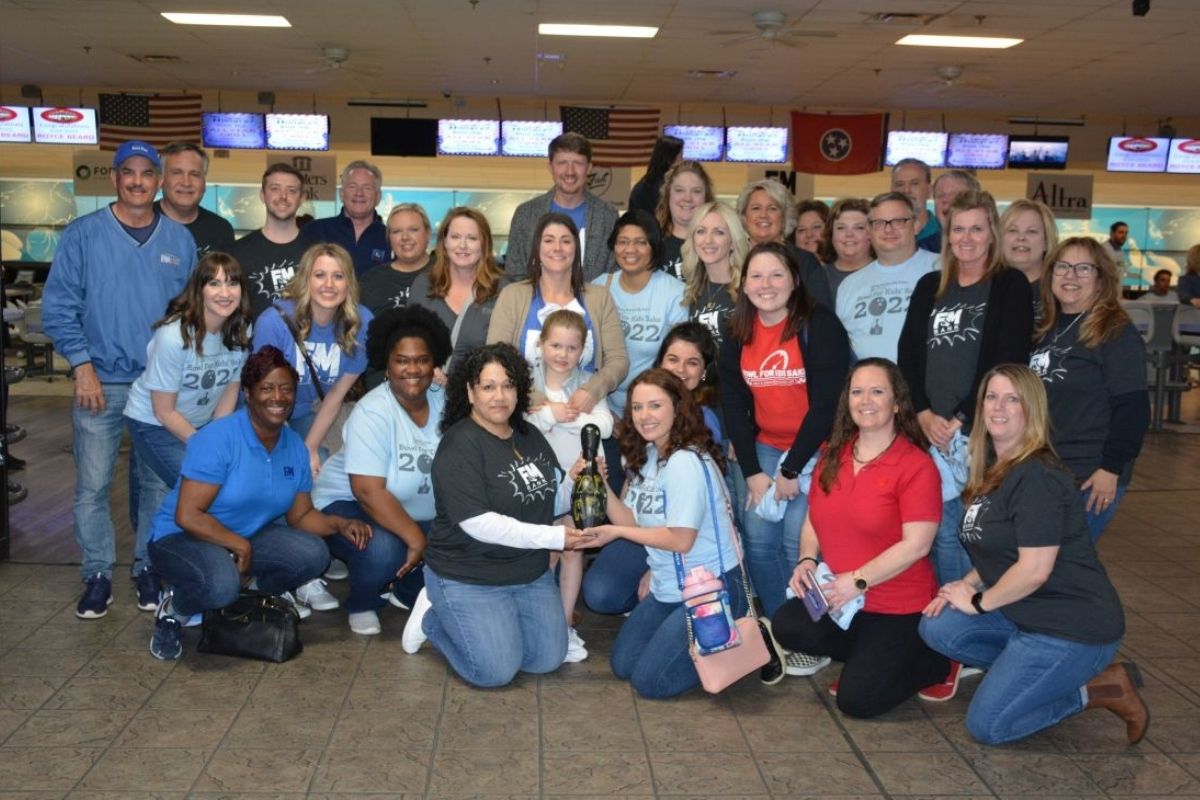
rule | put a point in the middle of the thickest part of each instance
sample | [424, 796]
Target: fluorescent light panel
[985, 42]
[612, 31]
[238, 20]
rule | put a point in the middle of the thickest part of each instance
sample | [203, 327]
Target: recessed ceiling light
[986, 42]
[240, 20]
[616, 31]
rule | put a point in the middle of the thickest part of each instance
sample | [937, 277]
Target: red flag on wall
[830, 144]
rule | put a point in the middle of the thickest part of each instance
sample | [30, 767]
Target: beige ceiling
[1080, 56]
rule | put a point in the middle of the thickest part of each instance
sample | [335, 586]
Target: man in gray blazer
[570, 160]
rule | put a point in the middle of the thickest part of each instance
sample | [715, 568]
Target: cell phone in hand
[815, 602]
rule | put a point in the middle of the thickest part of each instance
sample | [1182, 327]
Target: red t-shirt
[862, 516]
[774, 372]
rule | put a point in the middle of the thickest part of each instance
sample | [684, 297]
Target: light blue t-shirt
[646, 316]
[327, 357]
[196, 380]
[872, 303]
[381, 439]
[675, 494]
[257, 486]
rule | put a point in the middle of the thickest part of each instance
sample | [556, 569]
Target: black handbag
[256, 625]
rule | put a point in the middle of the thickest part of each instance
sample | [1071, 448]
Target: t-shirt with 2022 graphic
[872, 303]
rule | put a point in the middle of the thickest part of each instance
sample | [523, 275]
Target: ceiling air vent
[151, 58]
[901, 19]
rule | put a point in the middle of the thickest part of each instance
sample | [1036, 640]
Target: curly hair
[466, 371]
[799, 304]
[262, 363]
[346, 319]
[395, 324]
[688, 429]
[699, 336]
[1106, 318]
[187, 307]
[845, 430]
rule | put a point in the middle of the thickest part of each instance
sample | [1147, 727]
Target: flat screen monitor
[14, 124]
[927, 146]
[394, 136]
[977, 150]
[1038, 152]
[297, 132]
[528, 138]
[700, 142]
[1184, 156]
[761, 145]
[61, 125]
[468, 137]
[234, 131]
[1137, 154]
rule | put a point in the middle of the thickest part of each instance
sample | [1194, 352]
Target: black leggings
[886, 661]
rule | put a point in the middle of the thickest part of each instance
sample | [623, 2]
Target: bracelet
[977, 601]
[807, 558]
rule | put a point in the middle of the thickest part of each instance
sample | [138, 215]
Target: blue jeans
[610, 584]
[772, 548]
[489, 633]
[160, 456]
[1098, 520]
[1033, 680]
[374, 567]
[96, 441]
[651, 649]
[204, 576]
[950, 559]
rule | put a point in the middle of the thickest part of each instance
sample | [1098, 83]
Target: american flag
[157, 119]
[620, 137]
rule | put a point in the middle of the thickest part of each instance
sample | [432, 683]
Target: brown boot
[1116, 689]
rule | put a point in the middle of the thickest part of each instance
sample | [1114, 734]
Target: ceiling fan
[334, 58]
[949, 77]
[772, 27]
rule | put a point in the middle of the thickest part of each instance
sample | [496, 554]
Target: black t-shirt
[714, 308]
[382, 287]
[1039, 310]
[672, 263]
[1038, 505]
[212, 232]
[953, 338]
[1080, 385]
[268, 266]
[475, 472]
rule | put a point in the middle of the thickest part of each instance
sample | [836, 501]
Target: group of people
[744, 366]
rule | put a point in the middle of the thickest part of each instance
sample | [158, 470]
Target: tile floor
[85, 712]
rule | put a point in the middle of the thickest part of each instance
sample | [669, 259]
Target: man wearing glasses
[872, 302]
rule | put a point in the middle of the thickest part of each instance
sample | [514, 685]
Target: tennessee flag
[829, 144]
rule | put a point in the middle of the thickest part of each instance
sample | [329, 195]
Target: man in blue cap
[112, 275]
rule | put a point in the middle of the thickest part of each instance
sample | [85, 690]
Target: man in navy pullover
[358, 228]
[113, 273]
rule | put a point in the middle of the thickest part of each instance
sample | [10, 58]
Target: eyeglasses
[880, 224]
[1083, 270]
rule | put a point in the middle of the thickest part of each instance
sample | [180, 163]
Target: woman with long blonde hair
[714, 253]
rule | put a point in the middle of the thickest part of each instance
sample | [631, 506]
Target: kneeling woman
[382, 473]
[216, 530]
[673, 504]
[874, 508]
[490, 603]
[1037, 611]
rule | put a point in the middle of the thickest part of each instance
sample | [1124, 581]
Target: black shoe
[773, 671]
[14, 464]
[13, 434]
[16, 493]
[149, 588]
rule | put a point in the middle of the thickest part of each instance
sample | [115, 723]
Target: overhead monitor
[401, 136]
[234, 130]
[297, 131]
[755, 144]
[700, 142]
[1137, 154]
[14, 124]
[1184, 156]
[927, 146]
[977, 150]
[468, 137]
[1038, 152]
[528, 138]
[60, 125]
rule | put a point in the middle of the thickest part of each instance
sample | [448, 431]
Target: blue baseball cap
[136, 148]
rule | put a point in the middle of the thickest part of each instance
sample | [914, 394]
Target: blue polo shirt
[367, 250]
[257, 485]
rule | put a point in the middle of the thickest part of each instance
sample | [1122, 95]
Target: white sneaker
[314, 595]
[413, 636]
[390, 596]
[304, 611]
[576, 652]
[365, 623]
[338, 571]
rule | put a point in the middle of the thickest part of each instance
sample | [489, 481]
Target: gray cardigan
[600, 218]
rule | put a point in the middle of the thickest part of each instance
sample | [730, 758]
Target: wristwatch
[860, 582]
[977, 601]
[790, 474]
